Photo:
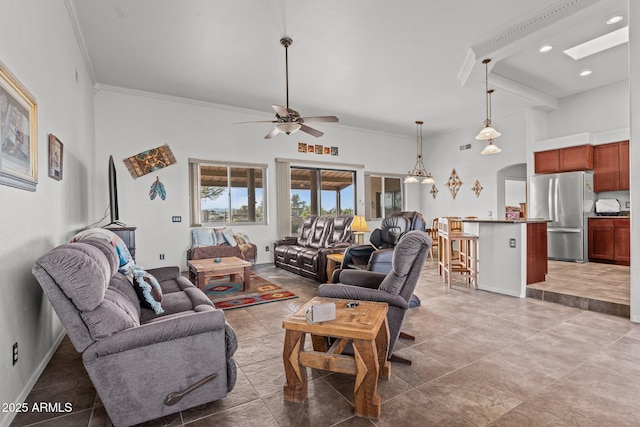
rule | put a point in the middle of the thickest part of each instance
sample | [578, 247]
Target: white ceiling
[376, 64]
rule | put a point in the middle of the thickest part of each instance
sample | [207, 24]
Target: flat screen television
[113, 194]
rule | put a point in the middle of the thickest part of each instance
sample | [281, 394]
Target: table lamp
[358, 227]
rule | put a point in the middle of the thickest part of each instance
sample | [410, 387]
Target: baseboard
[9, 416]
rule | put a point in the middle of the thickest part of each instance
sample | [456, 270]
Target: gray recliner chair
[395, 288]
[143, 366]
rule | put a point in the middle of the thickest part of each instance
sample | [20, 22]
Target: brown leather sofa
[318, 236]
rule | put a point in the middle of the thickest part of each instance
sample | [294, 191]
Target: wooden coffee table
[365, 326]
[201, 270]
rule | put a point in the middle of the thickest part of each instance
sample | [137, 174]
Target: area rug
[226, 296]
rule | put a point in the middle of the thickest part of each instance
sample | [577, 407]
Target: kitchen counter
[609, 216]
[511, 253]
[509, 220]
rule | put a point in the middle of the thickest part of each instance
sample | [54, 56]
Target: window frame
[195, 202]
[369, 212]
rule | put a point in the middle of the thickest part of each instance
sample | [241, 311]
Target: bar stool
[467, 260]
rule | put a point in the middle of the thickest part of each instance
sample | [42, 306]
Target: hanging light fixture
[488, 132]
[491, 148]
[419, 170]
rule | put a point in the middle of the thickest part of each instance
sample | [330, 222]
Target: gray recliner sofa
[143, 366]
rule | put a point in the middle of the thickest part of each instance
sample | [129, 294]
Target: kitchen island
[511, 253]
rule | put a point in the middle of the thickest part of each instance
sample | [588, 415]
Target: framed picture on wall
[18, 133]
[55, 157]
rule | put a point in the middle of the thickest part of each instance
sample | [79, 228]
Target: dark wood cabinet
[128, 236]
[611, 167]
[578, 158]
[537, 252]
[547, 161]
[609, 240]
[623, 150]
[569, 159]
[622, 241]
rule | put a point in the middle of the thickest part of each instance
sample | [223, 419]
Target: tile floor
[591, 286]
[479, 359]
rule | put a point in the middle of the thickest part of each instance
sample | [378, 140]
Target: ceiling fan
[287, 120]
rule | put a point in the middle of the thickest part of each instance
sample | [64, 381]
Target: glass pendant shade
[419, 170]
[288, 127]
[487, 133]
[491, 148]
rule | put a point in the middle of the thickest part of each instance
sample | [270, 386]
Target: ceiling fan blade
[282, 111]
[271, 134]
[257, 121]
[319, 119]
[311, 131]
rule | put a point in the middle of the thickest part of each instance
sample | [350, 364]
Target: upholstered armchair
[143, 365]
[395, 288]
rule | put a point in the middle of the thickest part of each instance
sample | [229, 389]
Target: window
[227, 193]
[384, 195]
[320, 192]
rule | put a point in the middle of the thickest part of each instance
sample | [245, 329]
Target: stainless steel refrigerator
[566, 200]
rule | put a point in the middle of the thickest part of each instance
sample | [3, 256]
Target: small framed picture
[302, 147]
[327, 150]
[311, 148]
[55, 157]
[334, 151]
[319, 149]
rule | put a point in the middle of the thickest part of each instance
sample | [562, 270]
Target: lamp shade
[488, 133]
[410, 180]
[359, 224]
[288, 127]
[491, 148]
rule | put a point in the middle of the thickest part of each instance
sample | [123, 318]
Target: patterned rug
[227, 295]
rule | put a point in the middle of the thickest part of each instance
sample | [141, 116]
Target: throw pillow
[246, 238]
[149, 292]
[239, 239]
[228, 235]
[220, 239]
[202, 237]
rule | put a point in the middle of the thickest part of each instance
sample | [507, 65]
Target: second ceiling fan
[287, 120]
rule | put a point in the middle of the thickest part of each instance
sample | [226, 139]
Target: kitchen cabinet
[569, 159]
[611, 167]
[609, 240]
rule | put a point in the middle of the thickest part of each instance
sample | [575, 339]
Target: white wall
[442, 154]
[40, 49]
[600, 110]
[128, 122]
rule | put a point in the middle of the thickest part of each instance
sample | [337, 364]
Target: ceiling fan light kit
[488, 133]
[419, 170]
[288, 121]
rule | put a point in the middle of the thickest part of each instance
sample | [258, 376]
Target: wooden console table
[365, 326]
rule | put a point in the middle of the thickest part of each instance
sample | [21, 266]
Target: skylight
[599, 44]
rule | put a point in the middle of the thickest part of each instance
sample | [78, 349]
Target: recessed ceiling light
[599, 44]
[615, 19]
[545, 48]
[585, 73]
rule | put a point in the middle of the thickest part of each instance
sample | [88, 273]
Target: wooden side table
[365, 326]
[334, 261]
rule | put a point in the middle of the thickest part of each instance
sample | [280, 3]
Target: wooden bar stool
[466, 262]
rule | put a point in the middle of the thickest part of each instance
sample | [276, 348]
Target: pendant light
[488, 132]
[419, 170]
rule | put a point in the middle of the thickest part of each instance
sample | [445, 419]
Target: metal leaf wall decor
[433, 191]
[454, 183]
[477, 188]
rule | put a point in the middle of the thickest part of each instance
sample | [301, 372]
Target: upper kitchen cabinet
[611, 167]
[569, 159]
